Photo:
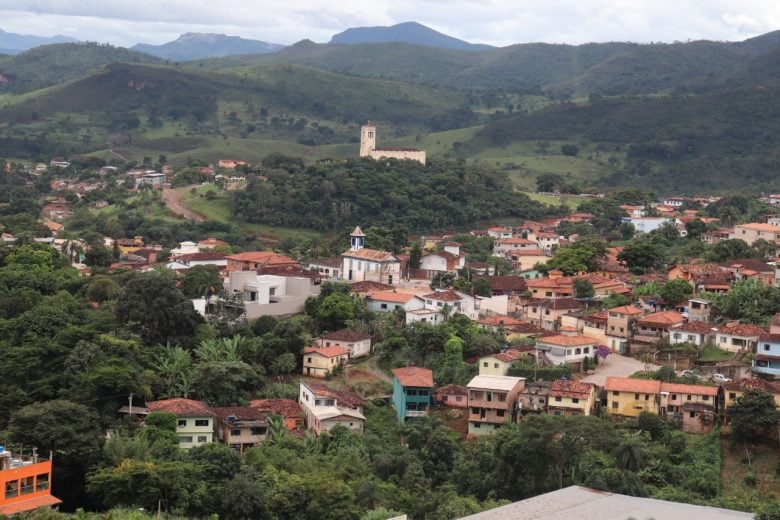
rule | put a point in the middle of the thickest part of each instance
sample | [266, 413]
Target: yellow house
[694, 406]
[630, 397]
[571, 398]
[322, 361]
[733, 390]
[498, 364]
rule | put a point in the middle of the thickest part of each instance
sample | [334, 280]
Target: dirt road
[173, 198]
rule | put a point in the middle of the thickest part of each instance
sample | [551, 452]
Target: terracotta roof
[371, 254]
[212, 242]
[599, 317]
[568, 341]
[344, 397]
[452, 244]
[689, 389]
[776, 319]
[390, 296]
[292, 271]
[453, 390]
[499, 321]
[414, 376]
[574, 389]
[567, 281]
[357, 232]
[507, 356]
[767, 357]
[516, 241]
[364, 287]
[527, 252]
[503, 283]
[444, 296]
[527, 328]
[742, 330]
[757, 226]
[500, 229]
[627, 309]
[752, 263]
[327, 351]
[201, 257]
[331, 261]
[181, 407]
[699, 327]
[262, 257]
[662, 319]
[283, 407]
[625, 384]
[241, 413]
[345, 335]
[753, 384]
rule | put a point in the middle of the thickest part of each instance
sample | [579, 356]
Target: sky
[495, 22]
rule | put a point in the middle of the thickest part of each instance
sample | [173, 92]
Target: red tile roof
[689, 389]
[241, 413]
[345, 335]
[201, 257]
[283, 407]
[343, 397]
[181, 407]
[327, 351]
[698, 327]
[662, 319]
[556, 303]
[742, 385]
[453, 390]
[568, 341]
[444, 296]
[373, 255]
[364, 287]
[414, 377]
[499, 321]
[742, 330]
[263, 257]
[627, 309]
[625, 384]
[389, 296]
[574, 389]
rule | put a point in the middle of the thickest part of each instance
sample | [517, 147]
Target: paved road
[617, 366]
[173, 198]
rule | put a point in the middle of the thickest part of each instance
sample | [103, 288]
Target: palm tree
[630, 453]
[73, 250]
[174, 365]
[220, 349]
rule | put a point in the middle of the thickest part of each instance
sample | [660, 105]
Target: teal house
[412, 392]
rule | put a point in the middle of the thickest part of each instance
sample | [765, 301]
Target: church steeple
[357, 239]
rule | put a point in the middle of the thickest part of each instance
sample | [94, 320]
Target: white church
[368, 147]
[361, 264]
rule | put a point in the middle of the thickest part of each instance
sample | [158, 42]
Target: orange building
[25, 483]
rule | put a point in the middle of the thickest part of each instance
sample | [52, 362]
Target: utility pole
[130, 408]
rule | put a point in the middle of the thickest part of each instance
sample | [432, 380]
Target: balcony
[493, 404]
[416, 413]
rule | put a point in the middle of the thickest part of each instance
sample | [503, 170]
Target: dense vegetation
[337, 194]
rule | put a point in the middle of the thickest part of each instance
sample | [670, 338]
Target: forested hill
[723, 141]
[332, 195]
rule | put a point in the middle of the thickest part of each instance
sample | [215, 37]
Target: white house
[648, 224]
[184, 262]
[447, 260]
[325, 408]
[388, 301]
[694, 332]
[739, 336]
[567, 349]
[272, 295]
[327, 267]
[357, 343]
[499, 232]
[361, 264]
[185, 248]
[455, 301]
[195, 420]
[424, 315]
[503, 246]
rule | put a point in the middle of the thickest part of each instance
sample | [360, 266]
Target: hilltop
[12, 43]
[192, 46]
[407, 32]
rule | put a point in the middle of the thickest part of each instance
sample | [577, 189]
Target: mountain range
[677, 117]
[191, 46]
[407, 32]
[11, 43]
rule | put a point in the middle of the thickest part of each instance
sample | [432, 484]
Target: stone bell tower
[367, 139]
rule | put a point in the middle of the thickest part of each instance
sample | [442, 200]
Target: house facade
[324, 408]
[322, 361]
[567, 349]
[25, 482]
[766, 359]
[498, 364]
[288, 409]
[241, 427]
[412, 391]
[630, 397]
[253, 260]
[196, 421]
[360, 264]
[389, 301]
[453, 396]
[736, 337]
[492, 402]
[571, 398]
[533, 398]
[357, 343]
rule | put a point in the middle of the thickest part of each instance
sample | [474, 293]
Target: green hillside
[180, 111]
[49, 65]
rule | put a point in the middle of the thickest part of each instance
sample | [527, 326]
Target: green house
[412, 391]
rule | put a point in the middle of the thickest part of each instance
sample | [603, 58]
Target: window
[458, 398]
[647, 397]
[575, 400]
[692, 415]
[612, 328]
[766, 347]
[476, 425]
[423, 393]
[501, 398]
[499, 413]
[182, 423]
[547, 312]
[689, 397]
[557, 399]
[309, 360]
[11, 489]
[383, 306]
[622, 329]
[495, 365]
[259, 430]
[185, 439]
[28, 485]
[577, 351]
[411, 391]
[732, 395]
[615, 405]
[42, 482]
[235, 433]
[586, 350]
[705, 398]
[201, 439]
[485, 364]
[615, 393]
[201, 422]
[673, 397]
[636, 397]
[677, 335]
[475, 410]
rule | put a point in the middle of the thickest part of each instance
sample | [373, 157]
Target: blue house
[412, 391]
[767, 355]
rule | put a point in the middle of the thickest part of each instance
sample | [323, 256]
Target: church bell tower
[367, 139]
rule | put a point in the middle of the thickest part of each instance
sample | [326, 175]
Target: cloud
[499, 22]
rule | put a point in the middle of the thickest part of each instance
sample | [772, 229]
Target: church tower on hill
[368, 147]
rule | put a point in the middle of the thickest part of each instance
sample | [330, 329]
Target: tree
[569, 149]
[640, 257]
[725, 250]
[201, 280]
[415, 255]
[154, 308]
[583, 288]
[695, 228]
[98, 257]
[675, 291]
[753, 416]
[481, 287]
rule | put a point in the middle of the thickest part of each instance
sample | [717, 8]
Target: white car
[720, 378]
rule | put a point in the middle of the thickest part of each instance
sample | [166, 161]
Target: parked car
[720, 378]
[690, 374]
